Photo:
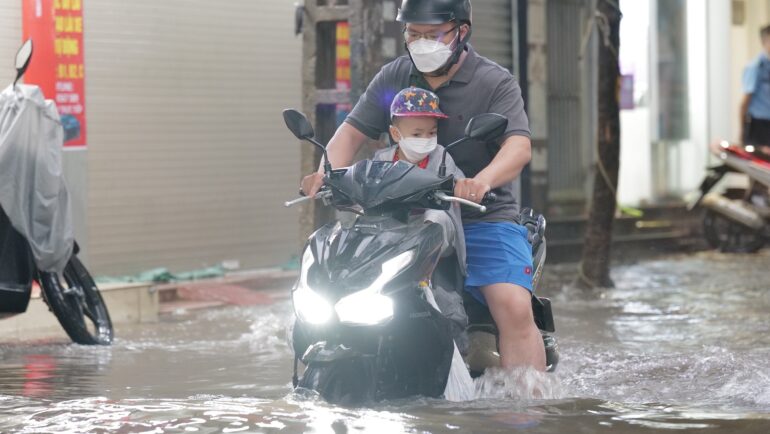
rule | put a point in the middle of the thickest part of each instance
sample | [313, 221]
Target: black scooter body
[16, 269]
[350, 258]
[361, 357]
[411, 353]
[408, 356]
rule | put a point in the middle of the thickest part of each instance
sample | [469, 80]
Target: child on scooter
[414, 116]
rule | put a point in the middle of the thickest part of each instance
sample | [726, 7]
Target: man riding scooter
[499, 261]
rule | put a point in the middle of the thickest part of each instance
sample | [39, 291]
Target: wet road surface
[682, 343]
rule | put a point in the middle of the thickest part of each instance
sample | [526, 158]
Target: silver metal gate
[570, 101]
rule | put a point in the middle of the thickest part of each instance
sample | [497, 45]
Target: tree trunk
[319, 74]
[595, 266]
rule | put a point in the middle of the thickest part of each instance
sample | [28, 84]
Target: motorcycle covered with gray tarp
[36, 228]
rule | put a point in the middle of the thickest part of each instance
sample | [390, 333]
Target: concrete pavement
[146, 302]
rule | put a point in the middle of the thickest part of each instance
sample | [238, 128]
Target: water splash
[521, 384]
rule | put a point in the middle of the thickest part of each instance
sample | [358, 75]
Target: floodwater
[682, 344]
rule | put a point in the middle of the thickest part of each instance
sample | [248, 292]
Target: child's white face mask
[416, 148]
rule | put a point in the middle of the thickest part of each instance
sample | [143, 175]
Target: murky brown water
[682, 344]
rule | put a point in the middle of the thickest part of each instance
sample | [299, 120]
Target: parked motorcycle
[36, 243]
[736, 224]
[367, 326]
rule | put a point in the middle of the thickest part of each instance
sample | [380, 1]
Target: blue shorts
[497, 252]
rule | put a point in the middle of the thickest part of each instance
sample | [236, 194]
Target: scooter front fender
[340, 375]
[714, 175]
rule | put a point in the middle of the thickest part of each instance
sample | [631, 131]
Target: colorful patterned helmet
[414, 101]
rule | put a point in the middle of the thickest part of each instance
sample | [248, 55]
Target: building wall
[537, 105]
[636, 36]
[571, 98]
[10, 39]
[493, 30]
[188, 161]
[654, 168]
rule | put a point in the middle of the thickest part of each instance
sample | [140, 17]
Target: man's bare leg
[520, 341]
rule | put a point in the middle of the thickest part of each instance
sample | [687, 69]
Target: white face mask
[429, 56]
[416, 148]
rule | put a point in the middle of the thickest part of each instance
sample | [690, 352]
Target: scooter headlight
[368, 306]
[365, 308]
[311, 307]
[308, 305]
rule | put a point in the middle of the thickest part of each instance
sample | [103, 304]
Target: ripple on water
[682, 343]
[709, 377]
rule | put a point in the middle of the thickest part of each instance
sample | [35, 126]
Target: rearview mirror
[486, 127]
[23, 56]
[298, 124]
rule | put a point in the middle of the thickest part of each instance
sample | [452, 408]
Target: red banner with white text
[56, 30]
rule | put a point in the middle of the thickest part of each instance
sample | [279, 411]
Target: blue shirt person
[756, 85]
[755, 107]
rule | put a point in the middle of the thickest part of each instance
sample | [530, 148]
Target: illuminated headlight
[368, 306]
[308, 305]
[365, 308]
[311, 307]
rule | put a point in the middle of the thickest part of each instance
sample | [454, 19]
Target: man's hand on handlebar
[312, 183]
[471, 189]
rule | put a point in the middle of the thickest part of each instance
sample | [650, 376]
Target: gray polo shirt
[479, 86]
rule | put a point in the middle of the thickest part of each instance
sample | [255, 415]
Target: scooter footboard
[541, 309]
[479, 315]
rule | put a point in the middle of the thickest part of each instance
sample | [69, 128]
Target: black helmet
[434, 11]
[438, 12]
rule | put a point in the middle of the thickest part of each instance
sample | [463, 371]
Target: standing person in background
[755, 107]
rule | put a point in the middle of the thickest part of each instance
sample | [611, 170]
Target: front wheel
[77, 304]
[730, 236]
[346, 382]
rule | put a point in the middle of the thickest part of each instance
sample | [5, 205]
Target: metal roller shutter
[567, 171]
[10, 38]
[189, 160]
[493, 30]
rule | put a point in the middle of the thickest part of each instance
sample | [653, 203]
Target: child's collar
[422, 164]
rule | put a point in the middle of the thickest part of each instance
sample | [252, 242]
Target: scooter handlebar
[445, 197]
[488, 198]
[324, 194]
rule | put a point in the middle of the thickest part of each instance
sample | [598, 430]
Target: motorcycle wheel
[729, 236]
[347, 382]
[77, 304]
